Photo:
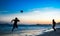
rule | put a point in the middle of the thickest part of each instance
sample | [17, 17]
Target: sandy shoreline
[22, 33]
[51, 33]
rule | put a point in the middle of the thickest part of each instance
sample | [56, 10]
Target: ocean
[24, 30]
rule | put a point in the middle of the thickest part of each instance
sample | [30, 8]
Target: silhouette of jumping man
[54, 24]
[15, 23]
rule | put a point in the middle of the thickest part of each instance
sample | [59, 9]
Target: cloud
[38, 15]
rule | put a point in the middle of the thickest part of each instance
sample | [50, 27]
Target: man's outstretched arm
[19, 20]
[12, 20]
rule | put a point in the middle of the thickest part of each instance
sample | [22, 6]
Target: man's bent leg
[13, 28]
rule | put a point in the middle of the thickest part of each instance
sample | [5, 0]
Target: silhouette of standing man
[54, 23]
[15, 23]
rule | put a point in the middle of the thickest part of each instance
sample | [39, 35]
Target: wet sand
[51, 33]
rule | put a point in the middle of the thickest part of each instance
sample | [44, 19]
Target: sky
[34, 11]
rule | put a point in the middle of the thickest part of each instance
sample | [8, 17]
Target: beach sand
[22, 33]
[51, 33]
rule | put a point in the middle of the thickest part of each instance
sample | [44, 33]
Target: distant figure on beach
[15, 23]
[54, 24]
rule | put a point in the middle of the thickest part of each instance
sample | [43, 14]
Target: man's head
[16, 18]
